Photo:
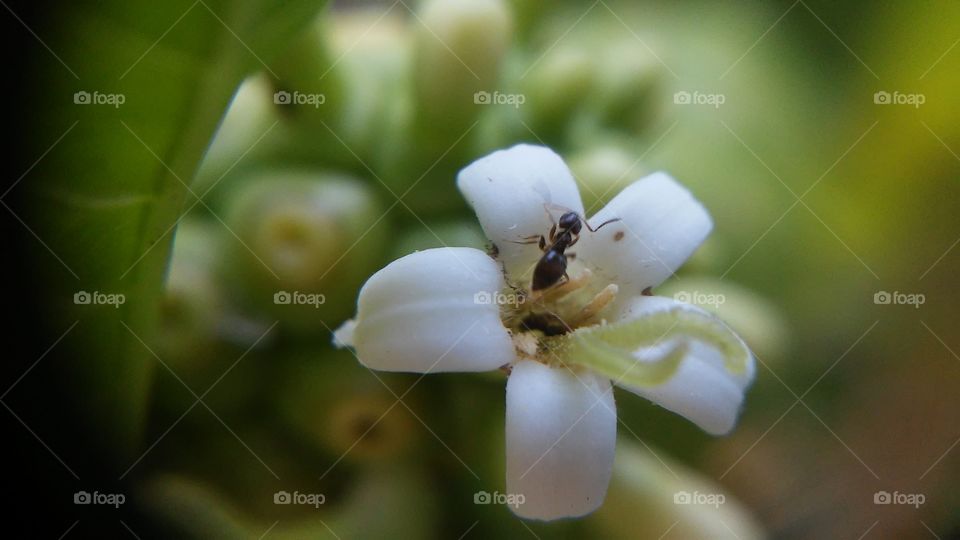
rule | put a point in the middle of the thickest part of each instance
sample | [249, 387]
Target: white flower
[440, 310]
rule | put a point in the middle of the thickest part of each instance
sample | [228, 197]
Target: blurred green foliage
[821, 198]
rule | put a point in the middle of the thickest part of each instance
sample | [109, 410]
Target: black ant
[552, 266]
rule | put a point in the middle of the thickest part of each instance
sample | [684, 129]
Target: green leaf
[106, 198]
[609, 349]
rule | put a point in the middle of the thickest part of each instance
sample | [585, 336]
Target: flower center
[556, 311]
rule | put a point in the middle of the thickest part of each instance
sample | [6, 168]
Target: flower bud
[602, 172]
[459, 48]
[193, 322]
[417, 237]
[374, 52]
[189, 507]
[235, 144]
[529, 16]
[192, 304]
[338, 408]
[709, 258]
[628, 83]
[310, 88]
[651, 496]
[556, 88]
[298, 245]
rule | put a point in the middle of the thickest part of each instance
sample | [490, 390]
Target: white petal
[660, 226]
[343, 336]
[561, 434]
[702, 390]
[508, 190]
[421, 313]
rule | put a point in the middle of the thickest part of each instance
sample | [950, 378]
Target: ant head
[570, 221]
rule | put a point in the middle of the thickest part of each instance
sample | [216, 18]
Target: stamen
[600, 301]
[572, 284]
[526, 344]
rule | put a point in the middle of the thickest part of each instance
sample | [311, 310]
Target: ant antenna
[564, 209]
[607, 222]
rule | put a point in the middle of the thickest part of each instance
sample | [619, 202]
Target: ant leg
[543, 243]
[546, 209]
[553, 227]
[576, 239]
[534, 239]
[570, 256]
[607, 222]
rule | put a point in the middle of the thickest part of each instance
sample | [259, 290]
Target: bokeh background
[823, 137]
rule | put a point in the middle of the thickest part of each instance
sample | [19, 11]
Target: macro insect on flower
[565, 342]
